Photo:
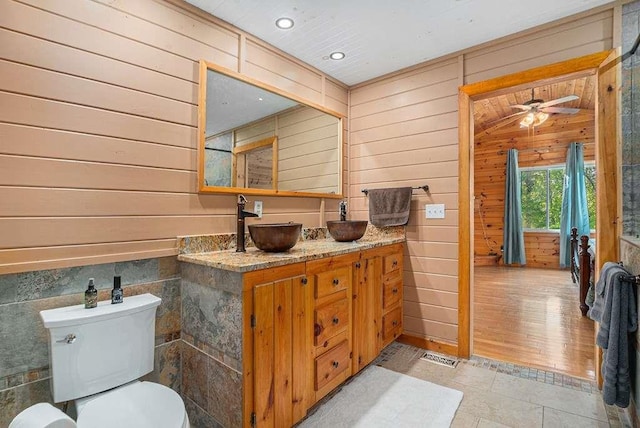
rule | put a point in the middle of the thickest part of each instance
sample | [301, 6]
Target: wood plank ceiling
[493, 112]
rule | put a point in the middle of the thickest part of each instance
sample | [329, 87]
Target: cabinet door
[367, 312]
[281, 352]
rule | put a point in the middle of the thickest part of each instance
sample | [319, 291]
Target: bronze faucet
[240, 220]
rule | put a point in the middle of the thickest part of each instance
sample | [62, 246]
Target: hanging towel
[615, 309]
[389, 207]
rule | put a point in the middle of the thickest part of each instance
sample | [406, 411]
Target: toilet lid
[140, 405]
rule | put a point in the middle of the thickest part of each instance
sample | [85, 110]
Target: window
[542, 196]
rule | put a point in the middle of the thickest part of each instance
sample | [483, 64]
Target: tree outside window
[541, 190]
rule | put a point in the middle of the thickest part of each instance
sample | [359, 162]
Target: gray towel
[390, 207]
[615, 309]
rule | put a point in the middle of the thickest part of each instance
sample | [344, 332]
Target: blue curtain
[513, 238]
[575, 212]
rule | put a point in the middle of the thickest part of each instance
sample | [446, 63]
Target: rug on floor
[378, 397]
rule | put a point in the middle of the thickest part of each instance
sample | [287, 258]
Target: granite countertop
[255, 259]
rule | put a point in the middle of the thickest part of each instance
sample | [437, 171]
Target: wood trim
[202, 123]
[464, 225]
[608, 153]
[605, 64]
[429, 344]
[583, 65]
[267, 87]
[269, 141]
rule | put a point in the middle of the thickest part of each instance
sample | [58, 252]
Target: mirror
[253, 140]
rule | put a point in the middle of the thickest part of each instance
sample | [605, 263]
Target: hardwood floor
[531, 317]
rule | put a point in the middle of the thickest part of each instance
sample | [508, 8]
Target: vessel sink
[347, 230]
[275, 237]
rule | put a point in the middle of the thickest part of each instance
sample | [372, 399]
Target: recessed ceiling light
[336, 55]
[284, 23]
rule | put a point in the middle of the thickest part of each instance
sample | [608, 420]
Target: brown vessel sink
[275, 237]
[347, 230]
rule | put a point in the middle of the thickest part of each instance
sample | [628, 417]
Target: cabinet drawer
[392, 324]
[332, 281]
[331, 364]
[392, 292]
[392, 263]
[330, 319]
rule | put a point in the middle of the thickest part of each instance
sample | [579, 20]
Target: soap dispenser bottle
[91, 296]
[116, 293]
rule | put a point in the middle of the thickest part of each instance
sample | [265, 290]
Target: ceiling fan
[537, 110]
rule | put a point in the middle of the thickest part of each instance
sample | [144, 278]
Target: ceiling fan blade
[521, 107]
[559, 101]
[565, 110]
[489, 124]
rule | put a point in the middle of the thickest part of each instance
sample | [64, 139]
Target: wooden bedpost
[585, 272]
[573, 252]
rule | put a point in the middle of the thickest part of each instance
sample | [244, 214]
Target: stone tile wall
[631, 121]
[24, 349]
[212, 345]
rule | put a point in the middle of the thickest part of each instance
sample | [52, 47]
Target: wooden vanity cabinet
[277, 346]
[331, 279]
[310, 326]
[392, 291]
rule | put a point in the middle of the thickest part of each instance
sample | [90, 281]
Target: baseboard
[429, 344]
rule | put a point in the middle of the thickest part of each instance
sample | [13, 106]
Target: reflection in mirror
[255, 141]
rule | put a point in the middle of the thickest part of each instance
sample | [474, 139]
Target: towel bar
[633, 279]
[425, 188]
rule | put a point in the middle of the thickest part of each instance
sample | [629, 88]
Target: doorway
[602, 65]
[529, 314]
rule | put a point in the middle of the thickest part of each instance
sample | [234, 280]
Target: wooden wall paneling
[102, 127]
[25, 110]
[66, 31]
[31, 171]
[25, 49]
[16, 260]
[397, 130]
[144, 31]
[33, 81]
[556, 44]
[34, 141]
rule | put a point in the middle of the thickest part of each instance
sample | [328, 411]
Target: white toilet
[96, 357]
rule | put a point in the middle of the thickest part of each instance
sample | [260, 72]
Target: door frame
[606, 66]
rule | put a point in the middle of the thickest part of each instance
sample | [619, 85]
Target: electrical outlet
[434, 210]
[257, 208]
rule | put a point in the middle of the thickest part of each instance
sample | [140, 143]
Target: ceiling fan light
[540, 118]
[527, 120]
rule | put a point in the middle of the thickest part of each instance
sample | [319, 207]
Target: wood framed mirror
[256, 140]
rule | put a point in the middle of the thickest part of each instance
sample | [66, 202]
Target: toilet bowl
[138, 404]
[97, 356]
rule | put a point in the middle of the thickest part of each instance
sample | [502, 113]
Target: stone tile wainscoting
[24, 348]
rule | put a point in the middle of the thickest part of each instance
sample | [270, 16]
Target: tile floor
[503, 395]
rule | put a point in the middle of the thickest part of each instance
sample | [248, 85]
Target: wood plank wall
[98, 117]
[547, 146]
[403, 131]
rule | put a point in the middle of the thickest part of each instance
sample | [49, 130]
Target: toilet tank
[92, 350]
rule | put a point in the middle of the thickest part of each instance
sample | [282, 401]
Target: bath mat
[382, 398]
[442, 360]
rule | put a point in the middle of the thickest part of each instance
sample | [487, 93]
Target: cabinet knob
[394, 291]
[335, 364]
[395, 323]
[304, 281]
[358, 265]
[335, 320]
[336, 281]
[395, 263]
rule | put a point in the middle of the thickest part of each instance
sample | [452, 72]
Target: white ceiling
[381, 36]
